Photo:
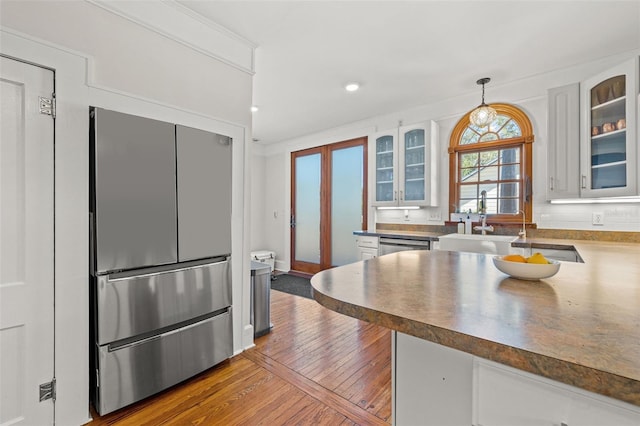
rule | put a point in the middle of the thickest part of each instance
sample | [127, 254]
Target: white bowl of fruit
[532, 268]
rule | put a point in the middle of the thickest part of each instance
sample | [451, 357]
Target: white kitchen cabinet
[432, 384]
[564, 142]
[506, 396]
[367, 246]
[405, 166]
[608, 150]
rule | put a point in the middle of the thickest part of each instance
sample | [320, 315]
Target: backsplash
[568, 234]
[576, 217]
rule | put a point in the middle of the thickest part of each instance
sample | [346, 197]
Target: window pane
[469, 205]
[492, 195]
[511, 171]
[488, 137]
[489, 173]
[469, 160]
[488, 157]
[511, 130]
[497, 124]
[509, 190]
[510, 155]
[346, 203]
[469, 137]
[469, 175]
[307, 236]
[509, 205]
[468, 191]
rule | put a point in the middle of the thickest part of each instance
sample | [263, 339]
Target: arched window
[496, 159]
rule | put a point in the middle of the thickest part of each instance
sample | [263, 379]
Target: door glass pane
[347, 184]
[414, 165]
[307, 235]
[384, 168]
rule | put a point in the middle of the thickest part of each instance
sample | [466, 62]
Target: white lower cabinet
[436, 385]
[367, 246]
[506, 396]
[432, 383]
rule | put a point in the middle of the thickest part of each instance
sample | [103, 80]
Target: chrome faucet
[483, 214]
[523, 231]
[483, 202]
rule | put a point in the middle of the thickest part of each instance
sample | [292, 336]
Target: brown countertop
[580, 327]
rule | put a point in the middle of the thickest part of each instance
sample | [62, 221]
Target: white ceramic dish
[527, 271]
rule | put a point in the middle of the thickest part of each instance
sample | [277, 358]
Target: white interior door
[26, 244]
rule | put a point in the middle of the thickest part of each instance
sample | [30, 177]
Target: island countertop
[580, 327]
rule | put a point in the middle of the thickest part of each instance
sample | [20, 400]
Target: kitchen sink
[476, 243]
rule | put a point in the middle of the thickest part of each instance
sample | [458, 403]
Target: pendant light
[484, 114]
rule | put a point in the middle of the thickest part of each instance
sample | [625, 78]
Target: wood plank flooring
[316, 367]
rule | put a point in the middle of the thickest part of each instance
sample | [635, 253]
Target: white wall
[103, 59]
[529, 94]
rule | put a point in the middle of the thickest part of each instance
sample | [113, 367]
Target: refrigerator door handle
[179, 329]
[120, 276]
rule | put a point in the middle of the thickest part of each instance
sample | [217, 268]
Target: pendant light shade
[484, 114]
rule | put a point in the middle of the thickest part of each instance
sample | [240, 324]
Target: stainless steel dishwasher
[393, 245]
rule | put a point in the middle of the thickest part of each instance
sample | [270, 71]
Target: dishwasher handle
[405, 243]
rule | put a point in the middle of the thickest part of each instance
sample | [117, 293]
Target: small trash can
[260, 309]
[266, 257]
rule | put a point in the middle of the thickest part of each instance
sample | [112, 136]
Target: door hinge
[48, 391]
[48, 105]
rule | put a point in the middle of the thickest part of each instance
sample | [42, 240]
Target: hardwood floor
[316, 367]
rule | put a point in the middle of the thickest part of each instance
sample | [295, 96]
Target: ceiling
[406, 53]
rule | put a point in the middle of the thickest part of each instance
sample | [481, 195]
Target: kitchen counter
[580, 327]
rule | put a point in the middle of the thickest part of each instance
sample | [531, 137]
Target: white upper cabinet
[608, 150]
[405, 166]
[564, 142]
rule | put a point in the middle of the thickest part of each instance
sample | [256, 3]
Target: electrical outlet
[435, 215]
[598, 218]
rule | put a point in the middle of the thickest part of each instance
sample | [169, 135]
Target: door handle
[551, 183]
[292, 222]
[584, 182]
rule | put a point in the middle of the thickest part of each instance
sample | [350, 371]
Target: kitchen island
[580, 327]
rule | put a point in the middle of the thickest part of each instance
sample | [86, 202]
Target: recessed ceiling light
[352, 87]
[254, 108]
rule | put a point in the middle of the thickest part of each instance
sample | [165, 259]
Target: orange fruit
[537, 258]
[514, 258]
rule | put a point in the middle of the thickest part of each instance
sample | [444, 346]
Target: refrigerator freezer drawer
[140, 304]
[136, 371]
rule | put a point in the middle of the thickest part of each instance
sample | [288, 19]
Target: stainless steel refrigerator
[160, 216]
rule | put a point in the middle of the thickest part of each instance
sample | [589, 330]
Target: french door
[328, 203]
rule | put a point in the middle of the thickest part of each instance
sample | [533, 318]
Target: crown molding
[176, 22]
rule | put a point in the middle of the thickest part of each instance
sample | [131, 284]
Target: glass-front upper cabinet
[405, 169]
[608, 160]
[386, 158]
